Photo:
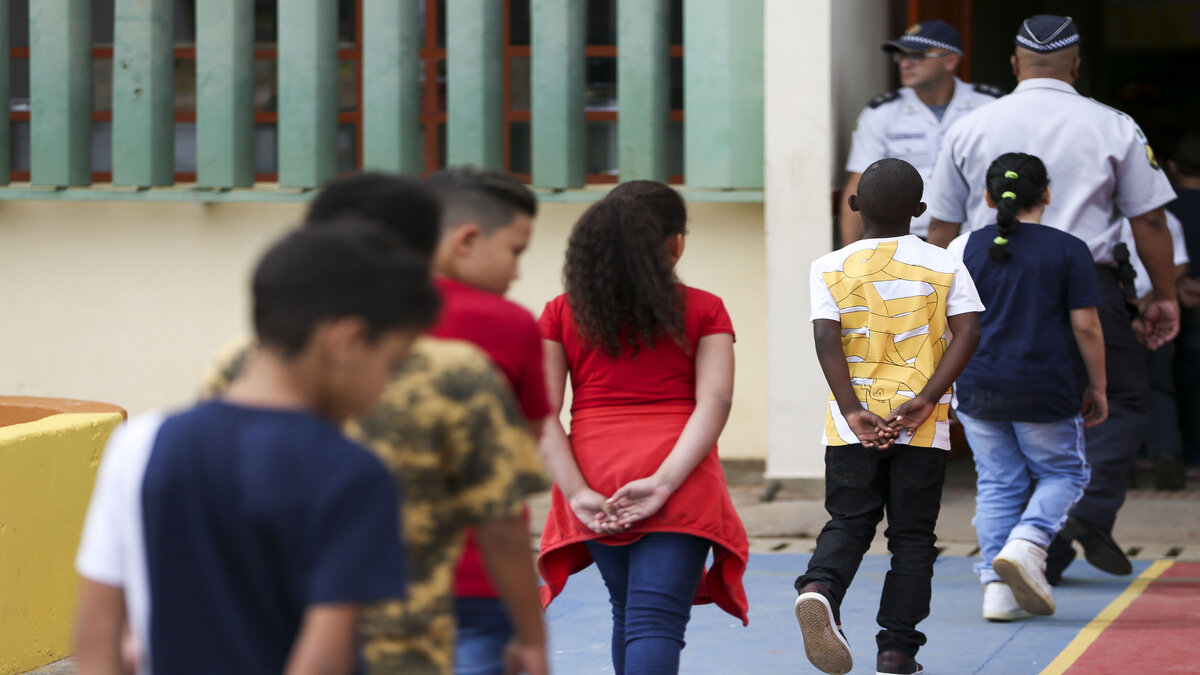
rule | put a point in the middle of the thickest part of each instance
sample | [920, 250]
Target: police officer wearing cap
[1102, 171]
[908, 123]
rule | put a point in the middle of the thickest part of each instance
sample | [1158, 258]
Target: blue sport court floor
[1090, 605]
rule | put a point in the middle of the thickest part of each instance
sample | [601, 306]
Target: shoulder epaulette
[990, 90]
[884, 98]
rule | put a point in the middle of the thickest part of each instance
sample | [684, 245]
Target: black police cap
[1047, 33]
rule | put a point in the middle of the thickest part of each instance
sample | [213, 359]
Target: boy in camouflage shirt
[452, 435]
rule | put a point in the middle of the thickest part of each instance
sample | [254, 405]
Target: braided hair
[619, 276]
[1015, 182]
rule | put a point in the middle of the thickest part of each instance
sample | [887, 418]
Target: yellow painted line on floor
[1068, 656]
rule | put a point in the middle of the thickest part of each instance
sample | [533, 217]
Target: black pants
[1163, 433]
[861, 484]
[1113, 445]
[1187, 374]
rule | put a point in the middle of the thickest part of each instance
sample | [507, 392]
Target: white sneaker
[824, 643]
[1022, 565]
[999, 603]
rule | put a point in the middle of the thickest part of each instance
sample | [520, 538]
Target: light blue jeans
[1030, 475]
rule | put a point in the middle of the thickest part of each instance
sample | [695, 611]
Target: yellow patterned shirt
[451, 433]
[892, 297]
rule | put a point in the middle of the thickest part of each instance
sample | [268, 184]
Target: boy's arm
[1085, 323]
[504, 544]
[325, 645]
[870, 429]
[965, 329]
[98, 629]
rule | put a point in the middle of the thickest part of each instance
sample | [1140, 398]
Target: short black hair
[889, 192]
[352, 267]
[1187, 155]
[490, 199]
[405, 206]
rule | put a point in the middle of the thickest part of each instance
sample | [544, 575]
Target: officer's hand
[1162, 322]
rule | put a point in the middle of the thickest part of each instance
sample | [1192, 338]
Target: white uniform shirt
[898, 124]
[1141, 282]
[1101, 169]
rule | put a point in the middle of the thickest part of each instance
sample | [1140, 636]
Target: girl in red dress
[639, 489]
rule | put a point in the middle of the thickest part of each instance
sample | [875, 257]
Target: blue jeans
[651, 583]
[484, 630]
[1030, 476]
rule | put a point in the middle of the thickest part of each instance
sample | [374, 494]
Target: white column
[799, 137]
[864, 69]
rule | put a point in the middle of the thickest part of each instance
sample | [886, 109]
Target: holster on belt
[1125, 275]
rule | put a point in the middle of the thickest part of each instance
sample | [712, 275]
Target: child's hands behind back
[593, 510]
[871, 429]
[910, 415]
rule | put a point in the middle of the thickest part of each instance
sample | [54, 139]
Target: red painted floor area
[1158, 633]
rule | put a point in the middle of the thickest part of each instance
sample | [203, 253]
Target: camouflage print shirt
[452, 434]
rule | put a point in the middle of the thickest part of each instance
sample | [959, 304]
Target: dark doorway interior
[1139, 56]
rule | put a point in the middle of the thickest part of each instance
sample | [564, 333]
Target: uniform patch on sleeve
[886, 96]
[1151, 158]
[989, 89]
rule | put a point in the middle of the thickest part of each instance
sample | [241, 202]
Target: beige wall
[124, 302]
[129, 302]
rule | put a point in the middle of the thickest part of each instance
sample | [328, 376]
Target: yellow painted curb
[47, 468]
[1069, 655]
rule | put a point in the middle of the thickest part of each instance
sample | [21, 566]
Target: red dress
[626, 415]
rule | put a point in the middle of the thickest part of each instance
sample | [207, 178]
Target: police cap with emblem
[927, 35]
[1047, 33]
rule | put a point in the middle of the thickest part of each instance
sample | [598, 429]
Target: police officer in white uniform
[1102, 170]
[908, 123]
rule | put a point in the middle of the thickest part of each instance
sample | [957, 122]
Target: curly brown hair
[619, 275]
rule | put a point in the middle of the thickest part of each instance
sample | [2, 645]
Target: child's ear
[464, 237]
[1046, 196]
[852, 200]
[675, 246]
[987, 199]
[340, 338]
[921, 206]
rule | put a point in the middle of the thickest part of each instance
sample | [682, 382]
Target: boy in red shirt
[487, 221]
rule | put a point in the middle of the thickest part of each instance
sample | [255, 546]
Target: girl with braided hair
[638, 487]
[1019, 399]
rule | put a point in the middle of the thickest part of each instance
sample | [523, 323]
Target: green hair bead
[1011, 174]
[1009, 194]
[1000, 241]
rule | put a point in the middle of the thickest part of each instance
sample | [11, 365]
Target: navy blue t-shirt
[252, 516]
[1024, 368]
[1186, 208]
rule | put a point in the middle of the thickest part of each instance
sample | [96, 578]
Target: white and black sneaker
[824, 643]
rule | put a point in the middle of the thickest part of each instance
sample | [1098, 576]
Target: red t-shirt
[509, 335]
[503, 329]
[664, 374]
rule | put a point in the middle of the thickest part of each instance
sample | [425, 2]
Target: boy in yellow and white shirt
[883, 309]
